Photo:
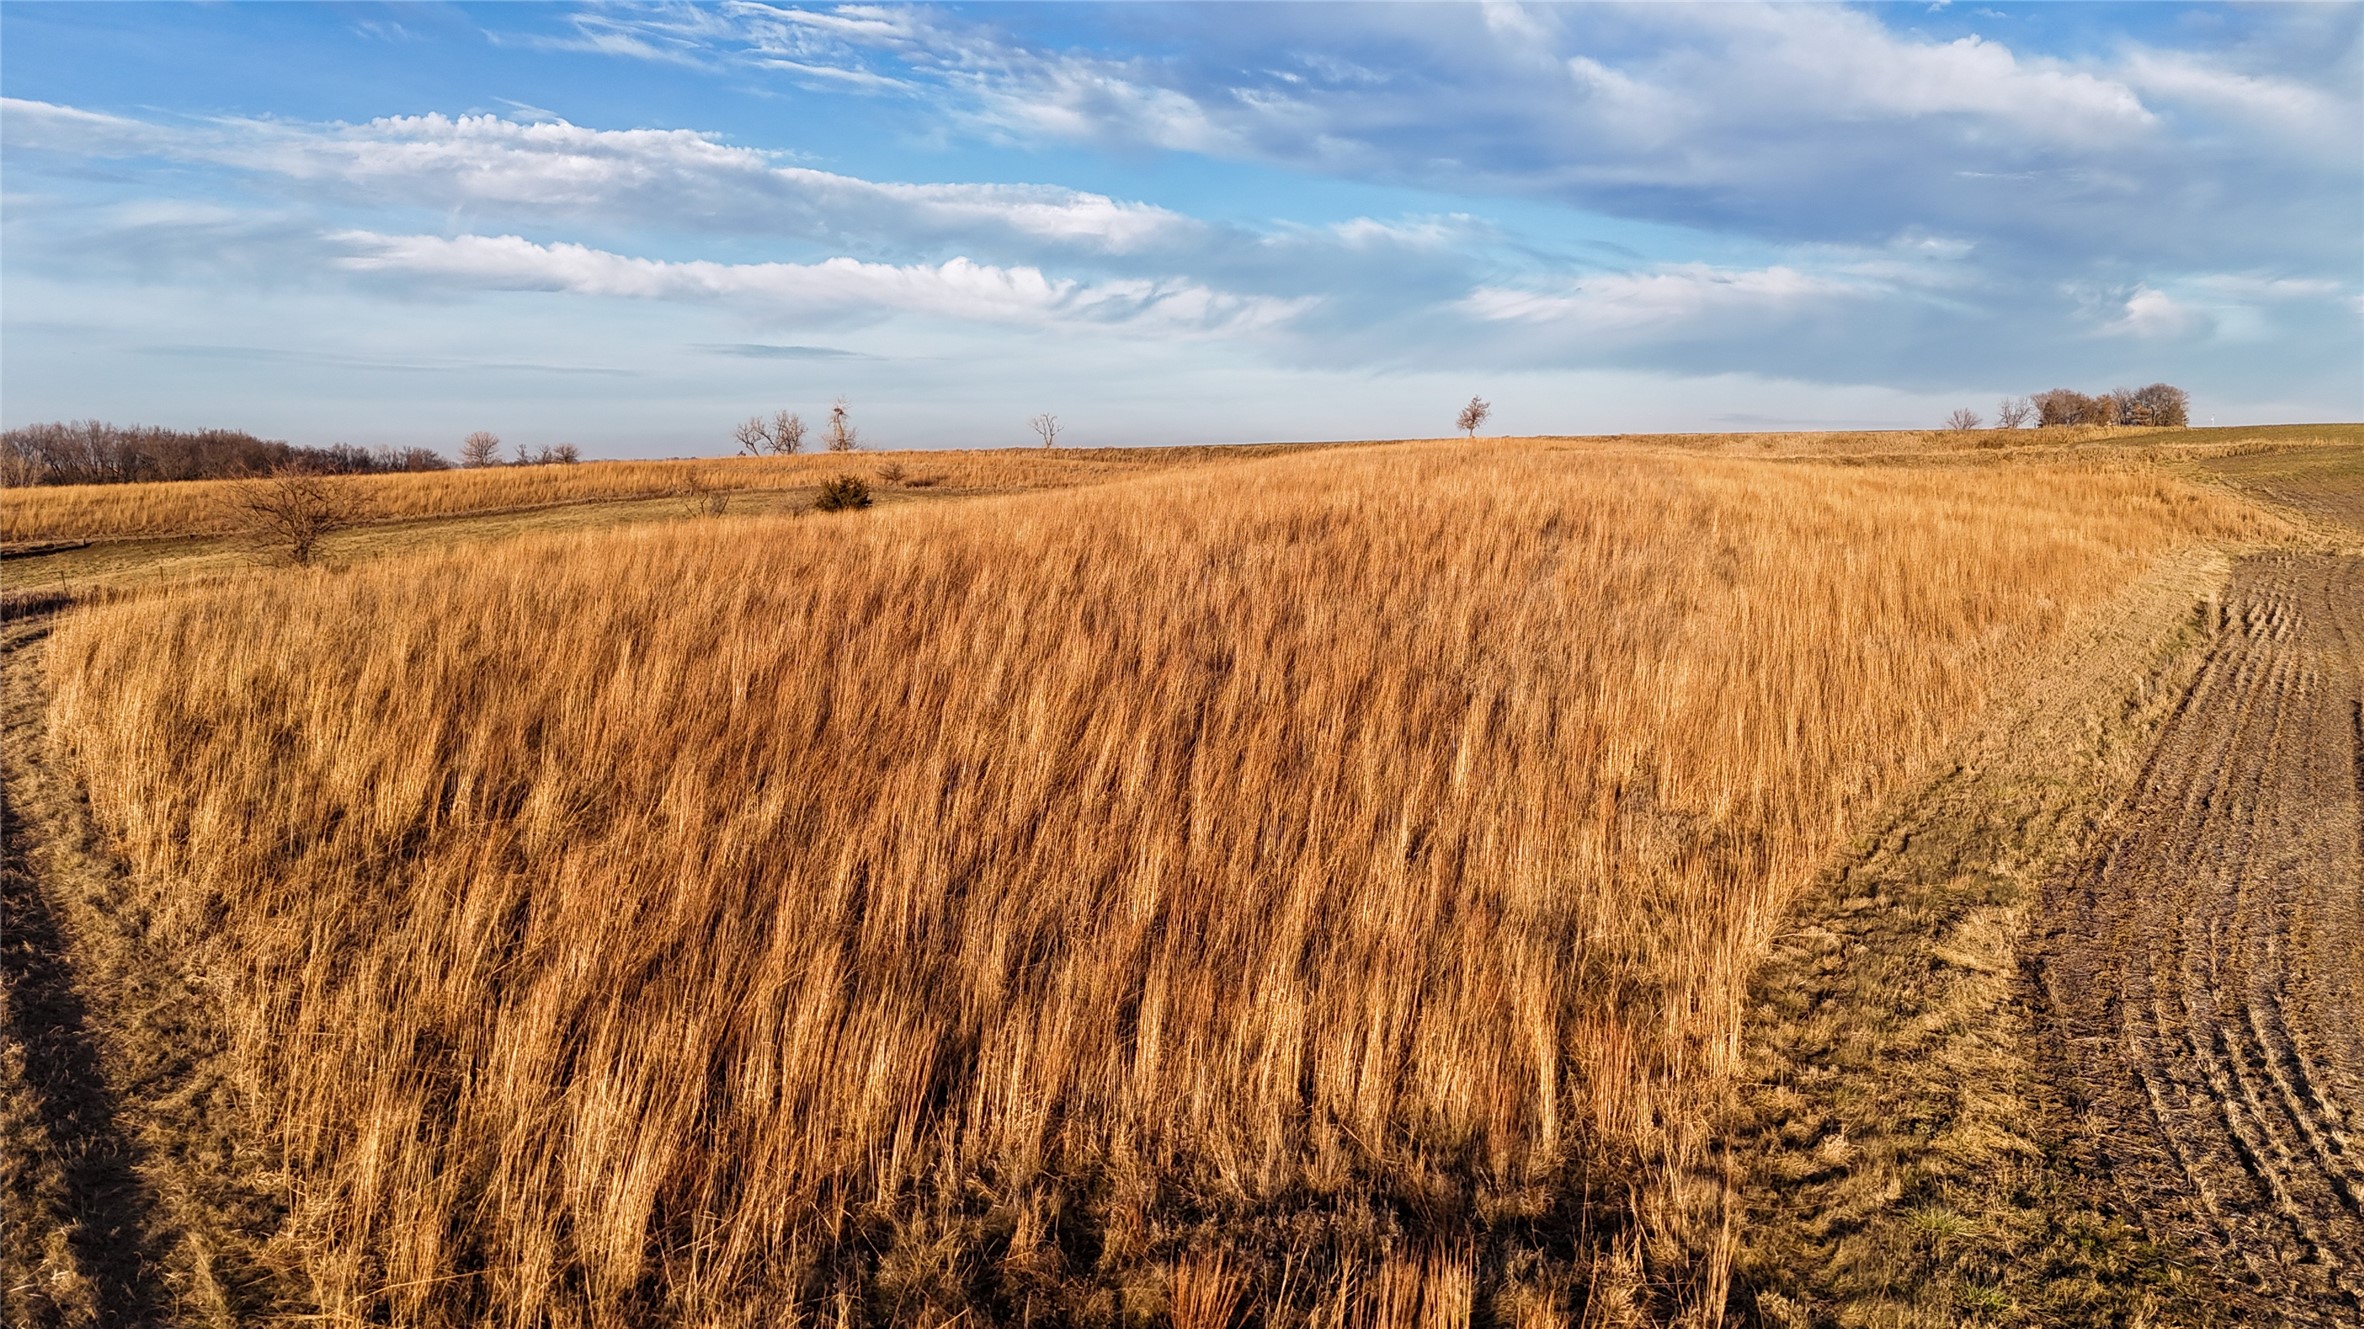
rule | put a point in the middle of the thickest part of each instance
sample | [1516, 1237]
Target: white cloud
[2254, 286]
[546, 166]
[2310, 116]
[835, 288]
[47, 126]
[1808, 63]
[1678, 298]
[2153, 315]
[1792, 123]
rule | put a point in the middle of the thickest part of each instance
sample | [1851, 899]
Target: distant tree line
[784, 432]
[2158, 404]
[2161, 405]
[89, 452]
[483, 448]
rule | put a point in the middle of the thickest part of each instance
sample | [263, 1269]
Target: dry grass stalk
[1338, 874]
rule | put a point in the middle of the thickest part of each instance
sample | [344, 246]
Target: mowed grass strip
[1322, 889]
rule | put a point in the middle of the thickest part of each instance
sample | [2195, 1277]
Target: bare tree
[1474, 415]
[1963, 420]
[481, 448]
[291, 510]
[752, 435]
[2061, 406]
[2160, 404]
[787, 432]
[842, 436]
[1047, 425]
[566, 454]
[2013, 413]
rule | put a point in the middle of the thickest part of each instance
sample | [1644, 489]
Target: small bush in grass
[291, 510]
[842, 494]
[701, 497]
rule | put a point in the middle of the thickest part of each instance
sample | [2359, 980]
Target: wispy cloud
[1670, 301]
[838, 288]
[377, 364]
[767, 351]
[1791, 122]
[544, 166]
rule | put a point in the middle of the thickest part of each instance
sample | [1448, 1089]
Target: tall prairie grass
[1319, 890]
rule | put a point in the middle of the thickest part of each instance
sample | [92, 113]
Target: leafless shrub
[566, 454]
[701, 497]
[2013, 413]
[1963, 420]
[482, 448]
[1473, 415]
[291, 510]
[892, 473]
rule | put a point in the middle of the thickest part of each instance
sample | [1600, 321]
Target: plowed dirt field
[2204, 966]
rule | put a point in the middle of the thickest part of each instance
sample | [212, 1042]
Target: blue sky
[626, 226]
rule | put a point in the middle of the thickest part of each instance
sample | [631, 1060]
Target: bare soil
[2324, 484]
[1898, 1152]
[2203, 968]
[136, 1192]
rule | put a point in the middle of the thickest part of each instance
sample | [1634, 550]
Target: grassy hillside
[115, 512]
[1322, 887]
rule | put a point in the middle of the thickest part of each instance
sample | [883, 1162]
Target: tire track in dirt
[78, 1210]
[2203, 968]
[135, 1191]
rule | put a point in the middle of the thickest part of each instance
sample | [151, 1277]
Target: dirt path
[1899, 1152]
[2204, 967]
[134, 1193]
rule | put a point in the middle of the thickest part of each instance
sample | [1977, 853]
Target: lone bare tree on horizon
[842, 436]
[482, 448]
[1474, 415]
[787, 432]
[1047, 425]
[783, 434]
[752, 436]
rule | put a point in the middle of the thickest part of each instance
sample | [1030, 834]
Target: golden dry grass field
[1317, 888]
[113, 512]
[181, 511]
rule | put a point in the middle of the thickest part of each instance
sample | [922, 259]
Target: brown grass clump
[1321, 890]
